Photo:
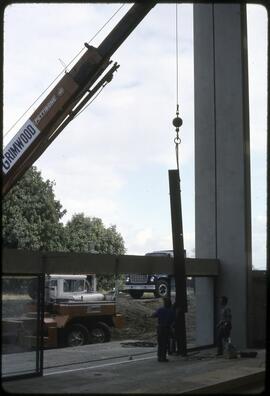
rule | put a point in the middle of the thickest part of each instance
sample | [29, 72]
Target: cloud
[86, 179]
[101, 208]
[147, 240]
[257, 46]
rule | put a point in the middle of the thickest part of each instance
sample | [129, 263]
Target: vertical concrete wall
[204, 294]
[222, 173]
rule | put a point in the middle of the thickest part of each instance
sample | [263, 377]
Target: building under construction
[222, 265]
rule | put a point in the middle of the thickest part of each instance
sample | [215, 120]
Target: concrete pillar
[204, 294]
[222, 157]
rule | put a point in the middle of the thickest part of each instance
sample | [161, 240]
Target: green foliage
[31, 220]
[88, 234]
[31, 215]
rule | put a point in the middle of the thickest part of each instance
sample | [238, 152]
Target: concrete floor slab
[118, 367]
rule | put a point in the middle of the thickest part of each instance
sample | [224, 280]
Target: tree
[88, 234]
[31, 220]
[31, 215]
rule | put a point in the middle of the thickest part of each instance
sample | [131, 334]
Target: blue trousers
[163, 333]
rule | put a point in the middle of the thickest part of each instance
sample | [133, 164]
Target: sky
[112, 161]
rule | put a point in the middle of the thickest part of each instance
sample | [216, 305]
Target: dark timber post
[179, 260]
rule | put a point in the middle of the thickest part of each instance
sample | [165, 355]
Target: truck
[138, 284]
[158, 284]
[75, 314]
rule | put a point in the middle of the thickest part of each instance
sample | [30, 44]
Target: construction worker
[224, 326]
[173, 343]
[166, 318]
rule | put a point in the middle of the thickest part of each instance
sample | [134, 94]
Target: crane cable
[177, 53]
[65, 67]
[177, 121]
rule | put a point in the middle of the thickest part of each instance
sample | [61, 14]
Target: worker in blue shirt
[166, 318]
[224, 326]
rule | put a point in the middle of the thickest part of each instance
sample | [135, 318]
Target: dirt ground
[138, 323]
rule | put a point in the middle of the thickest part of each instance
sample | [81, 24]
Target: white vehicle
[72, 288]
[75, 314]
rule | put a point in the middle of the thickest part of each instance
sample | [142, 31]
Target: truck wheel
[99, 333]
[136, 293]
[77, 335]
[162, 288]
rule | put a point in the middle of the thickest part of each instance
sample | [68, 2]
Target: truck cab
[158, 284]
[72, 287]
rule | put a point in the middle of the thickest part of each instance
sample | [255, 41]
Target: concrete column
[222, 157]
[204, 294]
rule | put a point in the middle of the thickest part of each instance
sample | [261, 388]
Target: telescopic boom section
[65, 100]
[122, 30]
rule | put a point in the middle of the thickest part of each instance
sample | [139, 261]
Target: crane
[67, 98]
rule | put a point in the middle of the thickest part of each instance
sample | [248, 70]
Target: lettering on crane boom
[21, 141]
[50, 110]
[46, 108]
[41, 117]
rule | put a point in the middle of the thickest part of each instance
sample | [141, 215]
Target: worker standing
[224, 326]
[174, 338]
[166, 318]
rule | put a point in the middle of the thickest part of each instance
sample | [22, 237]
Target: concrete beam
[29, 262]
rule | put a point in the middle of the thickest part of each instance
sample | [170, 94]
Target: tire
[77, 335]
[162, 289]
[136, 293]
[100, 333]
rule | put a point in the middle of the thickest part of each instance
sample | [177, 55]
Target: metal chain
[177, 151]
[177, 122]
